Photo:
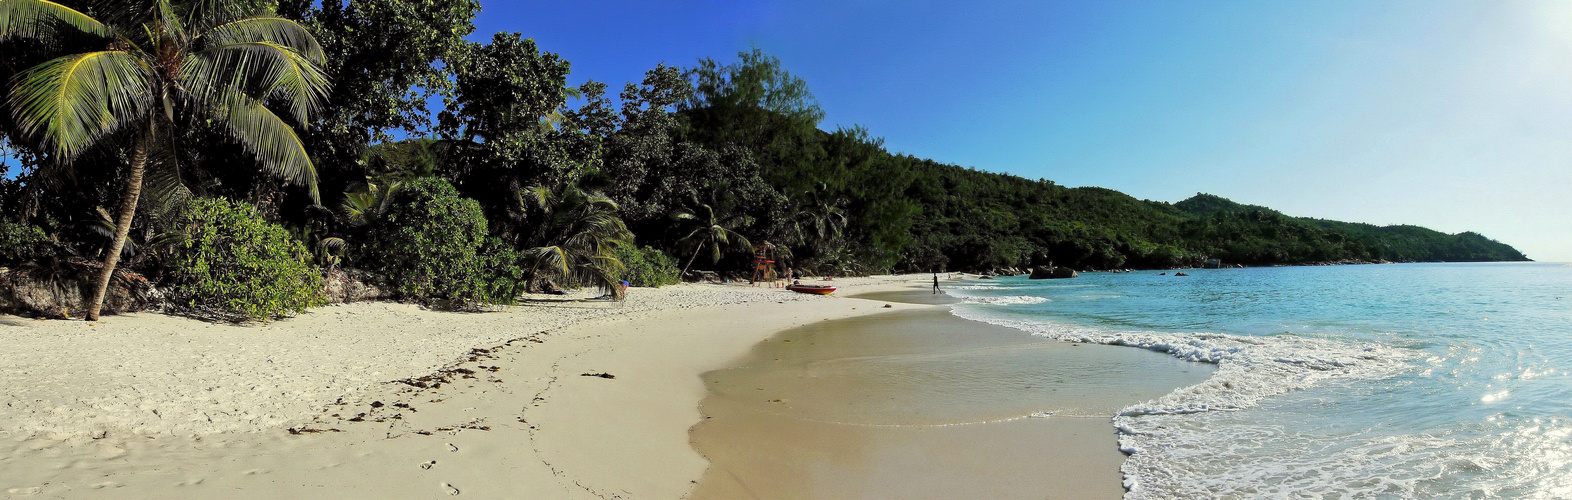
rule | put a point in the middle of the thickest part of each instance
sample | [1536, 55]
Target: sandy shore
[551, 399]
[923, 404]
[151, 406]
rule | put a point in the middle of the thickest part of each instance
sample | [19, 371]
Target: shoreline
[921, 403]
[563, 399]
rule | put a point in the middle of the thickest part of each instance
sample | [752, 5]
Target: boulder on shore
[702, 277]
[1050, 273]
[64, 289]
[349, 285]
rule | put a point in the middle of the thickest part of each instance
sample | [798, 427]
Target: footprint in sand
[427, 465]
[36, 490]
[452, 448]
[450, 489]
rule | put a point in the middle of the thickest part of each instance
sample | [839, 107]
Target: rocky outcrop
[63, 291]
[702, 276]
[1005, 271]
[349, 285]
[1049, 273]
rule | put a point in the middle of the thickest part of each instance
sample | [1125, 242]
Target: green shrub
[20, 243]
[648, 267]
[504, 275]
[233, 262]
[432, 245]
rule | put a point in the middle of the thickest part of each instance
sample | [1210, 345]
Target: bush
[504, 276]
[20, 243]
[432, 246]
[648, 267]
[233, 262]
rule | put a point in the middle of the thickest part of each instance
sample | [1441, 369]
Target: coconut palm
[712, 232]
[367, 206]
[556, 119]
[820, 220]
[153, 64]
[577, 237]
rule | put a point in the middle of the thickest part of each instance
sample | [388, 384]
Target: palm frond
[104, 224]
[357, 208]
[598, 231]
[602, 273]
[71, 102]
[537, 196]
[39, 18]
[388, 194]
[173, 26]
[260, 71]
[166, 240]
[277, 147]
[162, 184]
[365, 207]
[552, 259]
[331, 244]
[739, 241]
[699, 233]
[600, 201]
[203, 15]
[330, 250]
[276, 30]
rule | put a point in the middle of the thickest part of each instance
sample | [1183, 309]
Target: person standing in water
[936, 283]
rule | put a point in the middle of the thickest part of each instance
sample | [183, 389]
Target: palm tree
[714, 232]
[820, 220]
[366, 207]
[556, 119]
[153, 61]
[576, 238]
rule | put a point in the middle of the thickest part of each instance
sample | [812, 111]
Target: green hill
[978, 220]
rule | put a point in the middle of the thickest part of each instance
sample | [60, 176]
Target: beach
[547, 399]
[922, 404]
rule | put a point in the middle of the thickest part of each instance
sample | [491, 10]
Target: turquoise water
[1376, 381]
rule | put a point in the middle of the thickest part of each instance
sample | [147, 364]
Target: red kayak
[813, 289]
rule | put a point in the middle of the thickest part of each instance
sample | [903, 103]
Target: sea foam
[1008, 300]
[1168, 430]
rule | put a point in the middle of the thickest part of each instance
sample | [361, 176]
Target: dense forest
[238, 153]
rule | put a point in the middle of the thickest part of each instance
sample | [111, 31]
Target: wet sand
[922, 404]
[909, 297]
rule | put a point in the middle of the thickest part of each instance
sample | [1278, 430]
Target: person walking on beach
[935, 283]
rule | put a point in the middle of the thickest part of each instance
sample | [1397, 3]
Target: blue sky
[1450, 115]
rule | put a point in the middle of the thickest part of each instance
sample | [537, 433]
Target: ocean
[1367, 381]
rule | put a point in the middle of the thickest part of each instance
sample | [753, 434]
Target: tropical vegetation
[230, 263]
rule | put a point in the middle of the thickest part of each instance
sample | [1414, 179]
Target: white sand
[151, 406]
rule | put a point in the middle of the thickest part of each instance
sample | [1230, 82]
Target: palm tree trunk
[123, 224]
[695, 256]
